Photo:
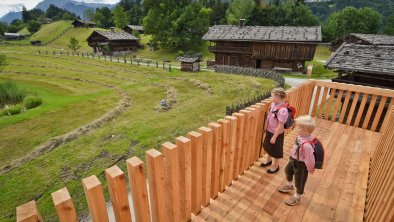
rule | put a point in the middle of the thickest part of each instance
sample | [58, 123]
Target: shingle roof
[375, 39]
[117, 35]
[136, 27]
[188, 59]
[264, 33]
[85, 22]
[363, 58]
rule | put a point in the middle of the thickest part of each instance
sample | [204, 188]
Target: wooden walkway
[336, 193]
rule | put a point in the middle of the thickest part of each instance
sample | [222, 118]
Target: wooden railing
[380, 189]
[355, 105]
[188, 173]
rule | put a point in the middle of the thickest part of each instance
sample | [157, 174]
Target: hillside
[51, 31]
[81, 34]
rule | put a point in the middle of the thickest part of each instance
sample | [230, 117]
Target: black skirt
[274, 150]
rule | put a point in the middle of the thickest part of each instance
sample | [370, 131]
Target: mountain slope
[11, 16]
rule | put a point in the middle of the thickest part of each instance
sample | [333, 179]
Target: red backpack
[292, 112]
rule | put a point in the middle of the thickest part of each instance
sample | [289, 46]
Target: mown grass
[81, 34]
[70, 104]
[322, 53]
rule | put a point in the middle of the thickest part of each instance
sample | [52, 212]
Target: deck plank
[335, 193]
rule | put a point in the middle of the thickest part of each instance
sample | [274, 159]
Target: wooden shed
[263, 47]
[112, 43]
[131, 28]
[13, 36]
[362, 39]
[189, 64]
[83, 24]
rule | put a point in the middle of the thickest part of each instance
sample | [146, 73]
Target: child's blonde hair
[279, 92]
[306, 123]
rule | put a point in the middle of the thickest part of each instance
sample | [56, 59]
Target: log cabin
[83, 24]
[189, 64]
[131, 28]
[111, 42]
[263, 47]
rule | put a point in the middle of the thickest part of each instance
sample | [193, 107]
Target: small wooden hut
[263, 47]
[111, 42]
[83, 24]
[189, 64]
[13, 36]
[362, 39]
[131, 28]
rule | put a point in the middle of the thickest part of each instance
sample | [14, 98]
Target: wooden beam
[95, 198]
[28, 212]
[197, 190]
[64, 205]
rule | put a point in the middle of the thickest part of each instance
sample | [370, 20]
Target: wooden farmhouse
[369, 65]
[112, 43]
[13, 36]
[189, 64]
[362, 39]
[131, 28]
[263, 47]
[83, 24]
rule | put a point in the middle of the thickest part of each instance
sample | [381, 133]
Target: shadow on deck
[336, 193]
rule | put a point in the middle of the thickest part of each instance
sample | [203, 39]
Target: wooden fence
[186, 174]
[380, 190]
[355, 105]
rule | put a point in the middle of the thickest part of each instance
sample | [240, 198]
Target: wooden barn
[189, 64]
[131, 28]
[369, 65]
[112, 43]
[362, 39]
[83, 24]
[13, 36]
[263, 47]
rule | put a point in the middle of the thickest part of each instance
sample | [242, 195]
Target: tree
[16, 25]
[239, 9]
[103, 17]
[219, 9]
[33, 26]
[351, 20]
[3, 27]
[74, 44]
[88, 14]
[181, 25]
[120, 17]
[25, 15]
[389, 27]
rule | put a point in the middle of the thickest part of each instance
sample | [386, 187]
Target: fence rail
[186, 174]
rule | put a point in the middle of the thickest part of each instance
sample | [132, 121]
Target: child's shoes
[286, 188]
[292, 201]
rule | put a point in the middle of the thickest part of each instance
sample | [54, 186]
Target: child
[301, 161]
[274, 136]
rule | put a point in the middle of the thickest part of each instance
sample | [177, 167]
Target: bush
[11, 110]
[31, 102]
[10, 94]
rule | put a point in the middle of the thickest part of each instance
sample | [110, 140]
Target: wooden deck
[336, 193]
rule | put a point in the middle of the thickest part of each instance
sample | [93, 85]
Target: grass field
[81, 34]
[75, 92]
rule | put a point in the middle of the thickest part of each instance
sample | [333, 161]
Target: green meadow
[77, 91]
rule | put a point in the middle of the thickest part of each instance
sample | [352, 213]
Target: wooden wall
[380, 192]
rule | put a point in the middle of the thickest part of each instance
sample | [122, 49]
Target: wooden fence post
[239, 151]
[28, 212]
[157, 191]
[246, 138]
[64, 205]
[171, 153]
[253, 135]
[206, 164]
[95, 198]
[232, 147]
[216, 153]
[185, 160]
[197, 168]
[118, 192]
[224, 157]
[135, 169]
